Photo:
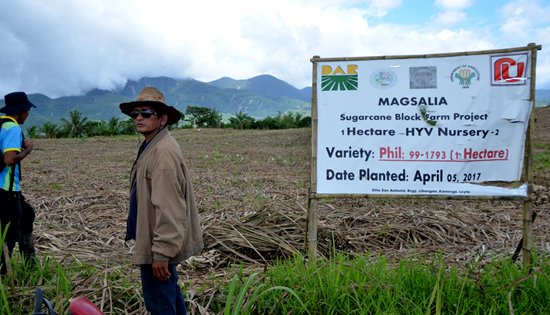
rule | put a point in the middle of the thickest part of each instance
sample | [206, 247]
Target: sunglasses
[145, 113]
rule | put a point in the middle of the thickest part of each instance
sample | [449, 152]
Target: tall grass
[61, 281]
[338, 285]
[359, 285]
[18, 288]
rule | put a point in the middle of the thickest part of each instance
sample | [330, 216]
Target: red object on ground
[83, 306]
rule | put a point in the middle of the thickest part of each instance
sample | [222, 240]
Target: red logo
[509, 70]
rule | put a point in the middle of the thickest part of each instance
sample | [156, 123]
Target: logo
[383, 78]
[509, 70]
[464, 75]
[339, 80]
[423, 77]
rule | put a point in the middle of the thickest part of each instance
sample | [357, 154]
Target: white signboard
[423, 126]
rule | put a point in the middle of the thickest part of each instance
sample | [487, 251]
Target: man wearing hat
[163, 218]
[14, 210]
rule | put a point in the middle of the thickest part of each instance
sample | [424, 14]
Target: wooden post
[311, 235]
[527, 245]
[311, 229]
[527, 233]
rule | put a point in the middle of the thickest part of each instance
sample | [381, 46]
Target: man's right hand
[160, 270]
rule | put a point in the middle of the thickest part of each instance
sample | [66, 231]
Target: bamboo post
[311, 229]
[527, 233]
[311, 235]
[528, 203]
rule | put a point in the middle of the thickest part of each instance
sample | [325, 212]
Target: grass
[360, 285]
[338, 285]
[61, 281]
[541, 159]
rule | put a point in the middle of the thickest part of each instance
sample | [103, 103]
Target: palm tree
[113, 126]
[32, 132]
[76, 126]
[241, 121]
[50, 130]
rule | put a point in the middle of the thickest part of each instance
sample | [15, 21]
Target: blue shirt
[11, 139]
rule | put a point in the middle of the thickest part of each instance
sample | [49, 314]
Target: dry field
[251, 188]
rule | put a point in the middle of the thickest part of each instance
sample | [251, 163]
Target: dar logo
[336, 79]
[509, 70]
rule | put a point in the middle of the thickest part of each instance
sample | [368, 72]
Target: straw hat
[151, 96]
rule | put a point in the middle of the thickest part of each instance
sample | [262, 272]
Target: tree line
[78, 126]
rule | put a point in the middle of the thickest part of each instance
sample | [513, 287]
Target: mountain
[264, 84]
[258, 97]
[95, 105]
[542, 97]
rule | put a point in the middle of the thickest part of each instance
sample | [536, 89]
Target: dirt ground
[235, 173]
[251, 188]
[541, 177]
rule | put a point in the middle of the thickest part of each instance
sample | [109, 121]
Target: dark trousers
[17, 216]
[162, 297]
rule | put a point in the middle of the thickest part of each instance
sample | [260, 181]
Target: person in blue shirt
[16, 214]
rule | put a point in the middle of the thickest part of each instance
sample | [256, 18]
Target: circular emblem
[383, 78]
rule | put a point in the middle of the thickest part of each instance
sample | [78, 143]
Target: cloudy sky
[67, 47]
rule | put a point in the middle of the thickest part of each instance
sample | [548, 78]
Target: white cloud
[450, 17]
[520, 19]
[68, 47]
[454, 4]
[380, 8]
[452, 11]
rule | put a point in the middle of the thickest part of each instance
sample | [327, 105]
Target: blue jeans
[162, 297]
